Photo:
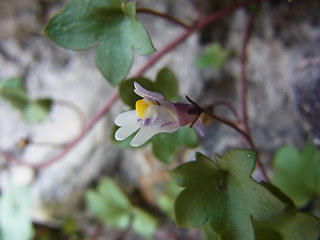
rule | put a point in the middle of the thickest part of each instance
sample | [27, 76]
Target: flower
[154, 115]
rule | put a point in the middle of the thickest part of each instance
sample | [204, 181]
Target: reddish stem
[164, 16]
[182, 37]
[224, 12]
[84, 132]
[243, 90]
[228, 106]
[73, 143]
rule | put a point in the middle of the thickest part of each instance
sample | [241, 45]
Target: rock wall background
[284, 93]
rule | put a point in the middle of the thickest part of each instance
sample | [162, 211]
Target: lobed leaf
[110, 26]
[297, 174]
[290, 226]
[224, 195]
[113, 208]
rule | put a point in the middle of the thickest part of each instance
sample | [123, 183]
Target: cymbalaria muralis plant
[218, 195]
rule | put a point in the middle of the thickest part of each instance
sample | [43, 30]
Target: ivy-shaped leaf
[110, 25]
[113, 208]
[297, 174]
[214, 56]
[291, 225]
[33, 111]
[224, 195]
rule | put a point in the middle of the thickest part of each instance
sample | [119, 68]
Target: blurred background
[283, 71]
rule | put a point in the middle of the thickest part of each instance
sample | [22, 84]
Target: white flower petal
[147, 132]
[126, 118]
[126, 130]
[143, 135]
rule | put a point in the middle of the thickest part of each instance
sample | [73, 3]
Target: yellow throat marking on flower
[142, 106]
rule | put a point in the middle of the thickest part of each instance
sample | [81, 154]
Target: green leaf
[37, 110]
[297, 174]
[165, 146]
[143, 223]
[69, 227]
[33, 111]
[113, 208]
[109, 204]
[110, 26]
[166, 83]
[209, 233]
[13, 91]
[290, 226]
[214, 56]
[223, 194]
[15, 223]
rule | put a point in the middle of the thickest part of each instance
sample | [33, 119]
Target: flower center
[142, 107]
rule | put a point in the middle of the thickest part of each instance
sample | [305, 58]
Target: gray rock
[283, 38]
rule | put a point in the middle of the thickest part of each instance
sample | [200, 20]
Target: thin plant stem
[228, 106]
[244, 92]
[211, 18]
[114, 97]
[247, 136]
[164, 16]
[106, 107]
[184, 35]
[235, 127]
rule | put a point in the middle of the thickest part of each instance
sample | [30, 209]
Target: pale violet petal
[139, 90]
[147, 132]
[126, 130]
[126, 118]
[169, 127]
[200, 129]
